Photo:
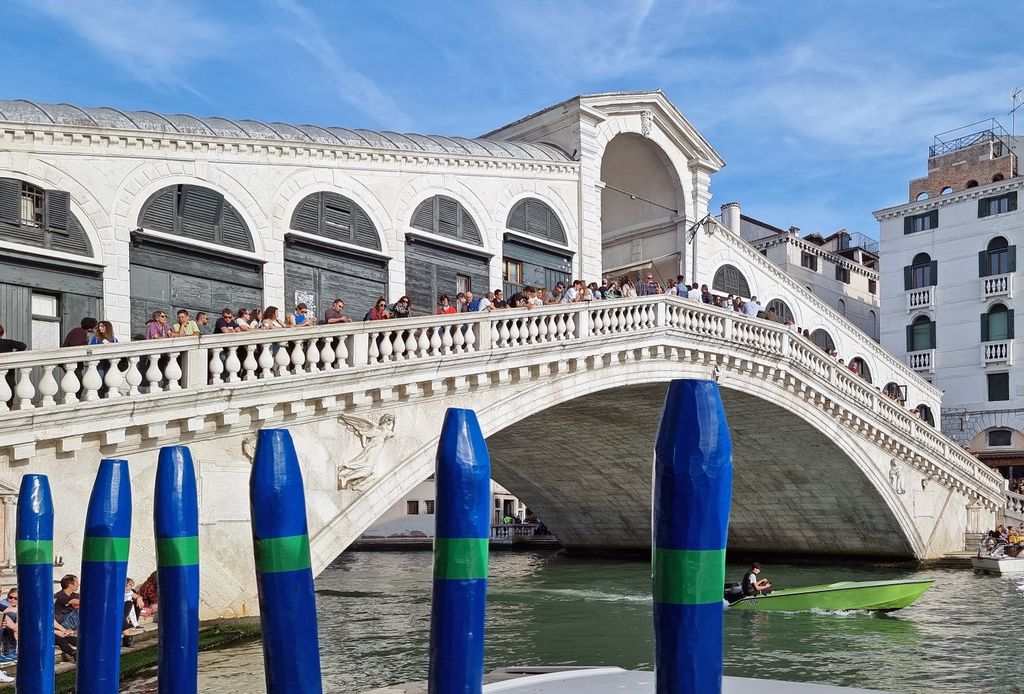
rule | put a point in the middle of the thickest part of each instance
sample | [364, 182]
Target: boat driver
[753, 584]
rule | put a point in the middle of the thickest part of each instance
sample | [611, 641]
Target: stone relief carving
[355, 473]
[249, 446]
[896, 478]
[645, 122]
[924, 483]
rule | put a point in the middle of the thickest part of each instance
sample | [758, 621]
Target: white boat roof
[619, 681]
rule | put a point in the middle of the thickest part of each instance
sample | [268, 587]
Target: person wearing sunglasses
[157, 327]
[402, 308]
[379, 310]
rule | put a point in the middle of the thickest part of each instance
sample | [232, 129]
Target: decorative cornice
[831, 256]
[919, 206]
[119, 142]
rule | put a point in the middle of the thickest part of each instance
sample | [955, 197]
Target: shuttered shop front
[316, 274]
[432, 269]
[533, 264]
[166, 277]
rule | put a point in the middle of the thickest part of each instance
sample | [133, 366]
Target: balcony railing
[921, 299]
[998, 285]
[1000, 352]
[922, 360]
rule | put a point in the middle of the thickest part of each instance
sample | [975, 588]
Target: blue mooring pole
[692, 493]
[108, 523]
[463, 529]
[284, 575]
[176, 527]
[34, 552]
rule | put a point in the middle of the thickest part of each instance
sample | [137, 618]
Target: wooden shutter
[1009, 324]
[908, 277]
[10, 201]
[984, 327]
[1011, 201]
[1011, 259]
[200, 209]
[983, 207]
[555, 231]
[74, 241]
[931, 335]
[470, 232]
[910, 337]
[934, 214]
[983, 264]
[57, 203]
[159, 212]
[337, 218]
[365, 233]
[908, 225]
[517, 217]
[233, 231]
[423, 217]
[537, 218]
[933, 272]
[307, 215]
[447, 217]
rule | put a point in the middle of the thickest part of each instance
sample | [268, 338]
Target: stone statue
[249, 446]
[896, 478]
[359, 470]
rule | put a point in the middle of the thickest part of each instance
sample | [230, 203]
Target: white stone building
[950, 286]
[841, 269]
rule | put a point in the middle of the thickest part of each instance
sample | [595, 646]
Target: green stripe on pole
[460, 558]
[177, 551]
[33, 551]
[106, 549]
[278, 554]
[689, 576]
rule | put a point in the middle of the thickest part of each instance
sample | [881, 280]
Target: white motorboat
[998, 564]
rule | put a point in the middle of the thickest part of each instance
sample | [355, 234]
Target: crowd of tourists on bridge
[138, 603]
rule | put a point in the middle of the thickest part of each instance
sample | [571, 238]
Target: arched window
[997, 324]
[782, 311]
[894, 391]
[337, 218]
[729, 280]
[821, 338]
[922, 195]
[997, 178]
[946, 190]
[841, 307]
[921, 334]
[873, 325]
[196, 213]
[533, 217]
[997, 438]
[33, 216]
[860, 367]
[922, 272]
[446, 216]
[925, 413]
[971, 184]
[998, 258]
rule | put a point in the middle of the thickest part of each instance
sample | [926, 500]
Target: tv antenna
[1016, 101]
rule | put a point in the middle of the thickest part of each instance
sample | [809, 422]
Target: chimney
[794, 231]
[731, 217]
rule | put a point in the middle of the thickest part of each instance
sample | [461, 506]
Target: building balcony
[1000, 353]
[922, 299]
[998, 285]
[922, 360]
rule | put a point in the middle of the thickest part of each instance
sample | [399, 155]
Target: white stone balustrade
[999, 352]
[55, 379]
[998, 285]
[1014, 504]
[922, 360]
[922, 299]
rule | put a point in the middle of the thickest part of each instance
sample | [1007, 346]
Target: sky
[823, 110]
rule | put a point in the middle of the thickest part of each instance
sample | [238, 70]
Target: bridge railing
[1015, 503]
[62, 378]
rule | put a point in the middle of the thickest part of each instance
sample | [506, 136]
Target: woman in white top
[628, 290]
[270, 320]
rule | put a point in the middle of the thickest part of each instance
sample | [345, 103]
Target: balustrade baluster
[24, 391]
[542, 328]
[532, 331]
[172, 372]
[387, 348]
[5, 391]
[327, 353]
[372, 351]
[91, 381]
[313, 356]
[411, 345]
[298, 357]
[113, 379]
[560, 327]
[133, 377]
[250, 364]
[447, 341]
[459, 338]
[266, 360]
[341, 352]
[47, 387]
[232, 365]
[70, 384]
[513, 333]
[503, 333]
[216, 367]
[282, 359]
[470, 337]
[398, 345]
[423, 342]
[436, 340]
[596, 323]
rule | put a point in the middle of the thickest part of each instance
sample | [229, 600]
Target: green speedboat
[881, 596]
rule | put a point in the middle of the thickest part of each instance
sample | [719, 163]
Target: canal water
[964, 635]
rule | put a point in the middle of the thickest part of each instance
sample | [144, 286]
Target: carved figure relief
[645, 122]
[896, 478]
[355, 473]
[249, 446]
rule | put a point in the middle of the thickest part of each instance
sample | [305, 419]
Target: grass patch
[210, 638]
